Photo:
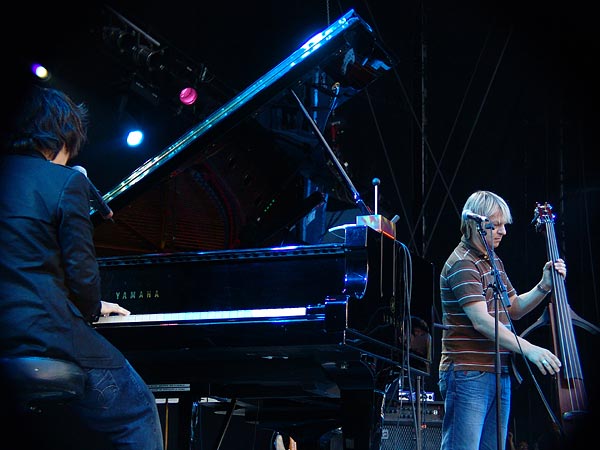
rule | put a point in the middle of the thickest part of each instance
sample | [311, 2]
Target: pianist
[49, 277]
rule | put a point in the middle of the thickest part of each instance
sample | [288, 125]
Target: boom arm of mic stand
[359, 202]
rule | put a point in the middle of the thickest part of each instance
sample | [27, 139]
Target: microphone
[376, 182]
[470, 215]
[99, 202]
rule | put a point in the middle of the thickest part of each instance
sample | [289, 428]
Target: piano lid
[240, 175]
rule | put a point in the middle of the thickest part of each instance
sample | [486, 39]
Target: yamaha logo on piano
[137, 295]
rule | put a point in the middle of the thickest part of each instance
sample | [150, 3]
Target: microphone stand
[499, 291]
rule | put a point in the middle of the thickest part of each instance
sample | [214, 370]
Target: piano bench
[34, 382]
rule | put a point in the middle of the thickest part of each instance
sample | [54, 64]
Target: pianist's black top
[49, 278]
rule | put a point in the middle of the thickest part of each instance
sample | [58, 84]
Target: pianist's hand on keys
[113, 308]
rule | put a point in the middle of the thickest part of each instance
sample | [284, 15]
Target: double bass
[569, 382]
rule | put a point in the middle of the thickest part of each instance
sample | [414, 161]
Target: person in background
[467, 371]
[49, 275]
[420, 338]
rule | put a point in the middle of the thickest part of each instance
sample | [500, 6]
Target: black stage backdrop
[485, 95]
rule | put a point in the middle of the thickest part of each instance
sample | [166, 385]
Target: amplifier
[399, 427]
[431, 412]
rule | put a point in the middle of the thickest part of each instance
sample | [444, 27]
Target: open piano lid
[238, 177]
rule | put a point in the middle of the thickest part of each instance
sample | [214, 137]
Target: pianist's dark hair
[45, 120]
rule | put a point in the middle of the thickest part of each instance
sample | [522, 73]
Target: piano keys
[202, 316]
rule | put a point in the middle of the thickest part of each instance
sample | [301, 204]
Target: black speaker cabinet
[402, 436]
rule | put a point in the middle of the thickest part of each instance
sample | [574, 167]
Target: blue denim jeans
[119, 404]
[470, 409]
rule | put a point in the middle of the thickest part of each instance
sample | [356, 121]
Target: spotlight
[135, 138]
[188, 96]
[40, 71]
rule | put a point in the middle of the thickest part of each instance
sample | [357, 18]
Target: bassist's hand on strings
[524, 303]
[559, 266]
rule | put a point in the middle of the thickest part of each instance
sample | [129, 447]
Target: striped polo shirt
[467, 277]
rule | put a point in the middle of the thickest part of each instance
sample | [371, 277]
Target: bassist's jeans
[470, 409]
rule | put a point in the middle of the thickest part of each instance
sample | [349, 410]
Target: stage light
[188, 96]
[120, 40]
[135, 138]
[40, 71]
[152, 58]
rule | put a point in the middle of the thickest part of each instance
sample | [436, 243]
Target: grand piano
[232, 299]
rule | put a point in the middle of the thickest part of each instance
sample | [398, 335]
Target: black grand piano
[228, 304]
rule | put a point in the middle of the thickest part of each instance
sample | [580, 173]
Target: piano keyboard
[203, 315]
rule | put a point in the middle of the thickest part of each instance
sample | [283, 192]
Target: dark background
[486, 95]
